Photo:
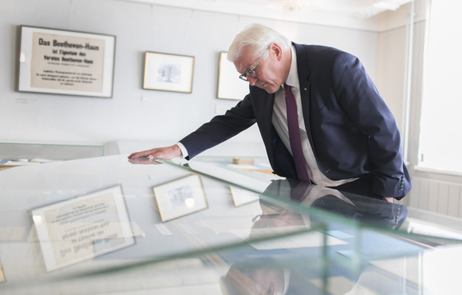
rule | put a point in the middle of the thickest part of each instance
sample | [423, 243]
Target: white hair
[257, 36]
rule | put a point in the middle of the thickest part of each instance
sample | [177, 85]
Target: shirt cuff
[184, 151]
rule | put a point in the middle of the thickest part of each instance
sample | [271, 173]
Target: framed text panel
[66, 62]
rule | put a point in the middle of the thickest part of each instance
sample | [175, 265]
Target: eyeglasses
[251, 72]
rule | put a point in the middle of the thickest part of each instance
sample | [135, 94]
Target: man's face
[270, 74]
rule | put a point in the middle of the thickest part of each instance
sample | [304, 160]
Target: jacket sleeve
[360, 100]
[220, 128]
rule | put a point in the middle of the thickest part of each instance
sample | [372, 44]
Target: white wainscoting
[436, 196]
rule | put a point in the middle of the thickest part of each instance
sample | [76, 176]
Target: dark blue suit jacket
[352, 131]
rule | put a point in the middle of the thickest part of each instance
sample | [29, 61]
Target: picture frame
[242, 197]
[55, 61]
[180, 197]
[229, 84]
[168, 72]
[82, 228]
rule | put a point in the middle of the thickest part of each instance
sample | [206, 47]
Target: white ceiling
[354, 8]
[346, 13]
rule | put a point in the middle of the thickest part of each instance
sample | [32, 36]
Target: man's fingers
[151, 154]
[141, 154]
[165, 153]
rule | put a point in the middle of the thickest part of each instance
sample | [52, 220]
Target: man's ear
[276, 50]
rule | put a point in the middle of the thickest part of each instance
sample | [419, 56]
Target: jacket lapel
[304, 81]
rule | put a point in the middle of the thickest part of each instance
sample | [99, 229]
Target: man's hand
[164, 153]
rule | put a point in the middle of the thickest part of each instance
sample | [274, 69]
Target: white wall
[432, 190]
[164, 116]
[392, 56]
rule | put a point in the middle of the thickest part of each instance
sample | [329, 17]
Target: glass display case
[107, 225]
[19, 154]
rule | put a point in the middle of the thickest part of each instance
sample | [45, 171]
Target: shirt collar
[292, 79]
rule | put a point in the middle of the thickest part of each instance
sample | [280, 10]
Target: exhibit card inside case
[83, 228]
[180, 197]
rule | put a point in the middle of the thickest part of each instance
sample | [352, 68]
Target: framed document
[229, 84]
[66, 62]
[242, 197]
[168, 72]
[180, 197]
[83, 228]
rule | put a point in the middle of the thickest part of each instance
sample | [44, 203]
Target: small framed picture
[83, 228]
[229, 84]
[168, 72]
[242, 196]
[180, 197]
[65, 62]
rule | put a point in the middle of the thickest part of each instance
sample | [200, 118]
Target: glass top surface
[19, 154]
[208, 228]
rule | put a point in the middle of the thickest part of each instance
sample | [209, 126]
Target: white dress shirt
[280, 124]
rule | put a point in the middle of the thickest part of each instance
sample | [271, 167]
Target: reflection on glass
[252, 279]
[144, 161]
[365, 209]
[324, 257]
[302, 240]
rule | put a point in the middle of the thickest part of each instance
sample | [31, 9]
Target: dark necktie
[294, 135]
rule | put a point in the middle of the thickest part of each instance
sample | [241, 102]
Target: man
[348, 136]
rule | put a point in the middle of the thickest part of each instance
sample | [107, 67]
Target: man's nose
[252, 80]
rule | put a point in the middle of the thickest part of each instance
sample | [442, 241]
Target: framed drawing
[83, 228]
[168, 72]
[229, 84]
[66, 62]
[242, 197]
[180, 197]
